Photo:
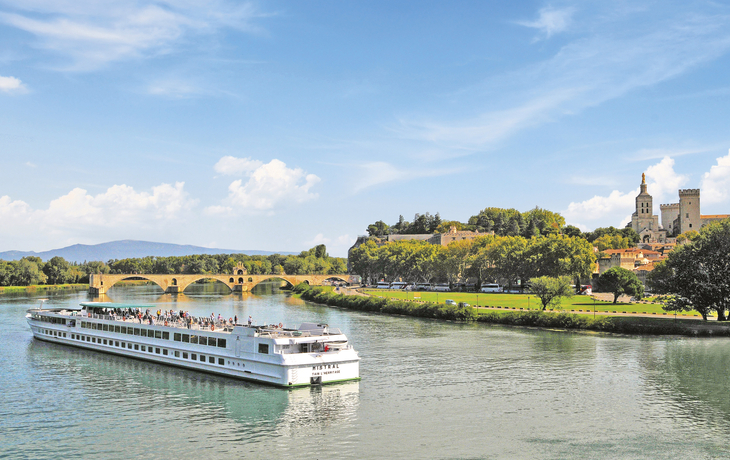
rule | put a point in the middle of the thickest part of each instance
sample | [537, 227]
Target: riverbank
[530, 318]
[43, 287]
[575, 304]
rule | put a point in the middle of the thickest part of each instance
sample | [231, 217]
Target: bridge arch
[262, 278]
[194, 279]
[114, 280]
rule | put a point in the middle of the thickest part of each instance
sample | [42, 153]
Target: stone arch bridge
[173, 284]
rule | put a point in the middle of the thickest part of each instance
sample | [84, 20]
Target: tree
[320, 251]
[611, 242]
[551, 290]
[57, 271]
[572, 231]
[379, 228]
[620, 281]
[698, 272]
[28, 272]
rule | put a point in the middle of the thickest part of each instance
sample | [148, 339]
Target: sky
[281, 125]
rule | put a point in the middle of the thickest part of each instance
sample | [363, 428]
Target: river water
[429, 390]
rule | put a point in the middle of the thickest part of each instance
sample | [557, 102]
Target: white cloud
[715, 184]
[380, 172]
[12, 85]
[119, 212]
[10, 209]
[233, 166]
[173, 89]
[551, 20]
[662, 184]
[94, 33]
[269, 186]
[609, 57]
[119, 205]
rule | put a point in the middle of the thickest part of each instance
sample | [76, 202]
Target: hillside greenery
[33, 271]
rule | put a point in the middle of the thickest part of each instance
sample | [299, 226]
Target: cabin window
[166, 335]
[264, 348]
[64, 335]
[130, 330]
[149, 350]
[221, 361]
[87, 339]
[177, 354]
[136, 331]
[129, 345]
[144, 348]
[124, 344]
[211, 360]
[202, 340]
[157, 350]
[105, 327]
[211, 341]
[143, 332]
[158, 334]
[116, 343]
[124, 330]
[221, 343]
[177, 337]
[185, 355]
[193, 339]
[164, 351]
[202, 358]
[93, 340]
[105, 342]
[83, 324]
[193, 356]
[72, 336]
[117, 329]
[186, 338]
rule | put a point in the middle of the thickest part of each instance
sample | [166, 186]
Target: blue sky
[279, 125]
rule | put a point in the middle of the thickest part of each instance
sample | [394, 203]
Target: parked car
[464, 304]
[449, 302]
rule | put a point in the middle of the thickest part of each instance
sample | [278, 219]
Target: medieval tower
[643, 218]
[689, 210]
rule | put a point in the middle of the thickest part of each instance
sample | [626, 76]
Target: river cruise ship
[313, 354]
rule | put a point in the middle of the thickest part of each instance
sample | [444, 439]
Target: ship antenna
[41, 306]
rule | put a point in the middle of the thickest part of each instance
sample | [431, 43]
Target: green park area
[575, 304]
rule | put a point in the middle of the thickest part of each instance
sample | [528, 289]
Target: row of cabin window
[148, 349]
[54, 333]
[126, 330]
[199, 339]
[49, 319]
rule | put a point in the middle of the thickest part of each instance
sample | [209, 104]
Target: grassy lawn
[525, 301]
[42, 287]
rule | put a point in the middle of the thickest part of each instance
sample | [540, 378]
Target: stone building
[676, 218]
[644, 221]
[685, 216]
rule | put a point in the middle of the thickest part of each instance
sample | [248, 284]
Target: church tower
[643, 217]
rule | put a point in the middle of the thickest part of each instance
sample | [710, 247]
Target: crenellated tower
[689, 210]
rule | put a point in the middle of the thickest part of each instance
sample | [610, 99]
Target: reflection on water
[430, 389]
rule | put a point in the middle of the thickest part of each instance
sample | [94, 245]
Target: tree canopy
[550, 290]
[698, 272]
[620, 281]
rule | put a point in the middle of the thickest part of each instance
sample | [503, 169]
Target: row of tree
[697, 273]
[33, 271]
[504, 259]
[509, 222]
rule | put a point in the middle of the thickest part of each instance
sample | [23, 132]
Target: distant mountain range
[125, 249]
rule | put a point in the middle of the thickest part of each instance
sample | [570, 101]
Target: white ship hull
[249, 353]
